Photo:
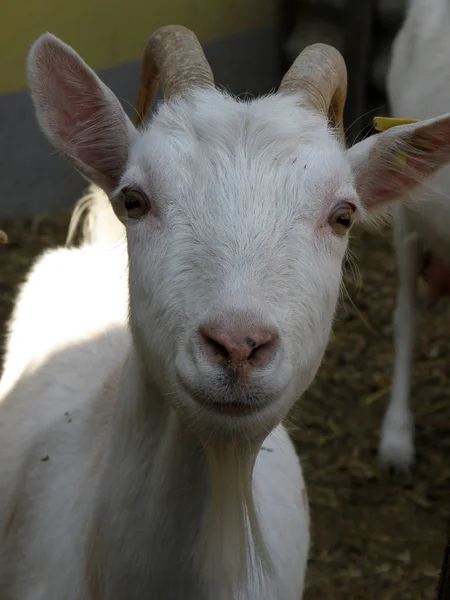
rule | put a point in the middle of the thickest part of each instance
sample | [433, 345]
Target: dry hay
[373, 538]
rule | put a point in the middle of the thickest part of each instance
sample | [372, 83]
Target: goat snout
[242, 348]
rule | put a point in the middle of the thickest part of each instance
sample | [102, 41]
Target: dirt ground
[373, 538]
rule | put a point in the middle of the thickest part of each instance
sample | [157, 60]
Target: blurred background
[374, 538]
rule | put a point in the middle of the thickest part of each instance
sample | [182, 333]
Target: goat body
[419, 88]
[77, 452]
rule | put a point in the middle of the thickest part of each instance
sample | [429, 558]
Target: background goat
[419, 88]
[141, 450]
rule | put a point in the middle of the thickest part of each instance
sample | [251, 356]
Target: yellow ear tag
[385, 123]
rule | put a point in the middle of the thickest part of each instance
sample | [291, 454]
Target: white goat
[141, 450]
[419, 88]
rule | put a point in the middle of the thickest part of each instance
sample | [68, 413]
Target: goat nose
[243, 348]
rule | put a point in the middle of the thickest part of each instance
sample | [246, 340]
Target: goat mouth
[235, 403]
[238, 409]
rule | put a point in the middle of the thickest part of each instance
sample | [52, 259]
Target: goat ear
[388, 165]
[79, 115]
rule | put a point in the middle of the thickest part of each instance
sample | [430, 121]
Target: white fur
[60, 496]
[115, 481]
[419, 87]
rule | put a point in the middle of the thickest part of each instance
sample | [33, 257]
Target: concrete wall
[110, 35]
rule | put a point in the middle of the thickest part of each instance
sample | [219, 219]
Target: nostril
[214, 347]
[262, 352]
[252, 344]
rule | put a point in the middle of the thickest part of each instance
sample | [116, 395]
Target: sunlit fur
[116, 480]
[419, 88]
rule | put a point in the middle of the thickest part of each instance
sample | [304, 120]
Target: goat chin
[239, 549]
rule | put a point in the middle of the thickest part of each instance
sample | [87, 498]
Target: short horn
[3, 237]
[319, 75]
[174, 54]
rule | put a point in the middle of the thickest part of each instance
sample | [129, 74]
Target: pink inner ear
[424, 154]
[79, 114]
[63, 82]
[71, 114]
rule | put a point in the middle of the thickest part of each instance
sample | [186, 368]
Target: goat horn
[319, 74]
[3, 237]
[174, 54]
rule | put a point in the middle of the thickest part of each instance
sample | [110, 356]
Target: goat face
[235, 269]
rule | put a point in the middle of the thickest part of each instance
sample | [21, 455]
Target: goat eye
[341, 218]
[135, 202]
